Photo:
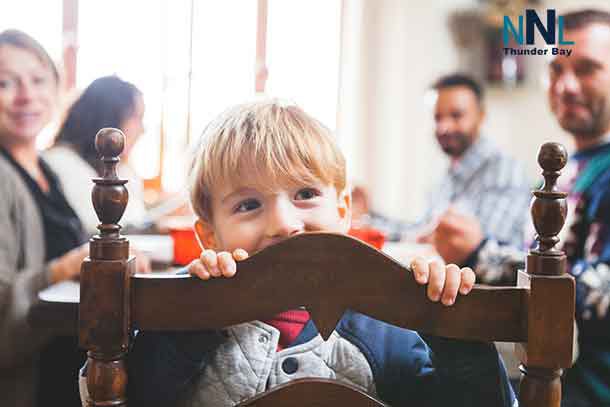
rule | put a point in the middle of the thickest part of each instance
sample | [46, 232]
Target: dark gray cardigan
[23, 273]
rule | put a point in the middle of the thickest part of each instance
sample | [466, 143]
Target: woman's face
[28, 94]
[133, 126]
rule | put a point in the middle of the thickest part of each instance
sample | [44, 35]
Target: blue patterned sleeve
[496, 262]
[590, 260]
[593, 282]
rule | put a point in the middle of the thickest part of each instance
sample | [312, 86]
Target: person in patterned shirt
[579, 97]
[481, 180]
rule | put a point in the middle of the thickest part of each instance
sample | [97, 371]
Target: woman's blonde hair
[19, 39]
[276, 142]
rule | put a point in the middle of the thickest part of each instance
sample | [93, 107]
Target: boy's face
[250, 217]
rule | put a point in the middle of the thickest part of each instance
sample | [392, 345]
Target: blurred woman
[107, 102]
[41, 236]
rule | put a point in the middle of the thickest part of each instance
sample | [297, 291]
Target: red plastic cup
[371, 236]
[186, 247]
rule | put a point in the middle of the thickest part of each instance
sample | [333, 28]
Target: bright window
[303, 42]
[45, 30]
[156, 58]
[153, 51]
[110, 44]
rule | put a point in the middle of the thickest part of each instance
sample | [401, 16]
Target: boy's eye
[306, 193]
[247, 205]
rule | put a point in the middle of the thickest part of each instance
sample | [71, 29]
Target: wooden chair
[327, 273]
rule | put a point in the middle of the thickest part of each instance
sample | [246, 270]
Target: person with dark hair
[107, 102]
[458, 79]
[481, 181]
[41, 239]
[579, 19]
[579, 97]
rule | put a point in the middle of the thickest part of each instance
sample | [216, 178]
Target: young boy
[266, 171]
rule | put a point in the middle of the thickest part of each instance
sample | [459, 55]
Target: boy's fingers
[453, 278]
[197, 269]
[208, 257]
[468, 279]
[436, 281]
[226, 264]
[240, 254]
[191, 267]
[210, 261]
[420, 270]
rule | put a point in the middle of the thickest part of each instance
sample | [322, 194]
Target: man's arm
[588, 249]
[496, 263]
[593, 282]
[459, 239]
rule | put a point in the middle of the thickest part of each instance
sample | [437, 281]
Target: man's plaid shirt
[490, 185]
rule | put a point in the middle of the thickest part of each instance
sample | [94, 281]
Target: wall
[390, 53]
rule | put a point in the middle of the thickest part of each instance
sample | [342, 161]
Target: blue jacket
[405, 369]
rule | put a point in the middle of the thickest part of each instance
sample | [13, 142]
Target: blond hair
[275, 142]
[21, 40]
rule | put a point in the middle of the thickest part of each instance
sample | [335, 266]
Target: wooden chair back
[327, 273]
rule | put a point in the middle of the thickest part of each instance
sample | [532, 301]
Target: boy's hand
[212, 264]
[444, 282]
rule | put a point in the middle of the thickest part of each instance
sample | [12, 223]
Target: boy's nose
[283, 220]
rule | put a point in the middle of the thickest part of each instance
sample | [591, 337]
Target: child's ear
[205, 234]
[345, 209]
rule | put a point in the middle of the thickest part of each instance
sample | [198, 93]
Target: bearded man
[481, 181]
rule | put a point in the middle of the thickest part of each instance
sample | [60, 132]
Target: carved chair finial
[105, 282]
[548, 207]
[546, 352]
[109, 194]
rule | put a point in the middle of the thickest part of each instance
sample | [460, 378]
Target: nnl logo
[533, 21]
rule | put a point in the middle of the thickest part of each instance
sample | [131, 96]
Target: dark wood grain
[313, 393]
[104, 323]
[327, 273]
[550, 316]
